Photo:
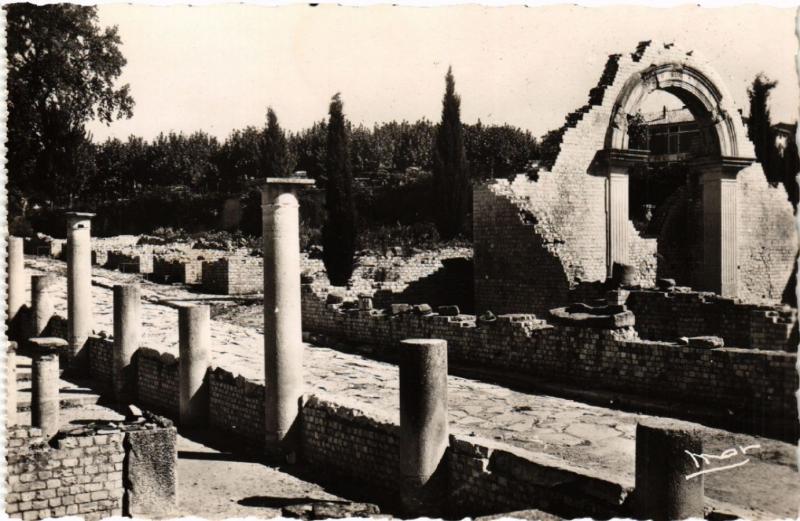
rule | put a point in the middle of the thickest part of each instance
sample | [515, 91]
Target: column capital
[616, 158]
[74, 218]
[721, 168]
[275, 186]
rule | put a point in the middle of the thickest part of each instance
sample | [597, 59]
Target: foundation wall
[77, 476]
[233, 276]
[758, 386]
[236, 406]
[157, 381]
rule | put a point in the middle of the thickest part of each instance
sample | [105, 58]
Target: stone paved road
[587, 436]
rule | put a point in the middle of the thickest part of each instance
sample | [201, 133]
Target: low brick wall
[346, 441]
[233, 276]
[758, 387]
[129, 262]
[157, 381]
[177, 270]
[236, 406]
[76, 476]
[101, 359]
[666, 315]
[488, 477]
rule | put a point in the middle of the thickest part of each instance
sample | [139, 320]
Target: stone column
[663, 463]
[79, 285]
[16, 276]
[11, 384]
[194, 340]
[423, 424]
[42, 305]
[720, 215]
[127, 321]
[618, 164]
[283, 343]
[44, 394]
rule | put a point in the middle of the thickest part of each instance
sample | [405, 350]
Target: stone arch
[700, 89]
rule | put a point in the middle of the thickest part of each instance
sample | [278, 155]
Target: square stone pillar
[283, 342]
[617, 164]
[720, 216]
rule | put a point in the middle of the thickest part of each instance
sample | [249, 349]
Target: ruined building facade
[552, 238]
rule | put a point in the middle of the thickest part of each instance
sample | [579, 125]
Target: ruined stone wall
[488, 477]
[236, 406]
[76, 476]
[101, 359]
[346, 441]
[767, 238]
[554, 228]
[662, 315]
[758, 385]
[157, 381]
[233, 276]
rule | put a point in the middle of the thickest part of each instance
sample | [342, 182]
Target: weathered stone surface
[334, 298]
[704, 342]
[449, 311]
[151, 472]
[423, 309]
[399, 309]
[582, 315]
[666, 284]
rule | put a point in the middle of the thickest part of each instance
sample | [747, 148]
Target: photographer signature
[726, 454]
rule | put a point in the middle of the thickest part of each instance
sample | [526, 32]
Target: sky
[218, 68]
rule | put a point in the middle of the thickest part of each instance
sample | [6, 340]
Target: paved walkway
[587, 436]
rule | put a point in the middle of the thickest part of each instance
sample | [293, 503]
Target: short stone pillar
[11, 384]
[44, 394]
[42, 305]
[194, 340]
[16, 277]
[127, 322]
[667, 456]
[365, 302]
[283, 342]
[423, 424]
[79, 286]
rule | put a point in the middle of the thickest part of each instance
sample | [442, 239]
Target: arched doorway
[725, 151]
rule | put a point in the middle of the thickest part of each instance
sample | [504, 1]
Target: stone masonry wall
[533, 238]
[348, 442]
[236, 406]
[488, 477]
[757, 385]
[101, 359]
[664, 315]
[157, 381]
[76, 476]
[233, 276]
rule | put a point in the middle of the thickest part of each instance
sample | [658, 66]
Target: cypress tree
[339, 231]
[759, 126]
[450, 168]
[275, 153]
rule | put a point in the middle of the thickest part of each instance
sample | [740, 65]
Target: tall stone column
[16, 276]
[423, 424]
[44, 394]
[668, 457]
[720, 215]
[194, 341]
[11, 384]
[79, 286]
[42, 305]
[618, 164]
[127, 322]
[283, 343]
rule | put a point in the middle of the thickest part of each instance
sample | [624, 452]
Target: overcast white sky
[217, 68]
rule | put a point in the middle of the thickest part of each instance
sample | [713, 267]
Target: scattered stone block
[666, 284]
[423, 309]
[399, 309]
[603, 317]
[703, 342]
[151, 472]
[487, 317]
[449, 311]
[617, 297]
[334, 298]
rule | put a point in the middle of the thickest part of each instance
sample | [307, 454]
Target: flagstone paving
[586, 436]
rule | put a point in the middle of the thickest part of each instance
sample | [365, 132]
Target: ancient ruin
[591, 382]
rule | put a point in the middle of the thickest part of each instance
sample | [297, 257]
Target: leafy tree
[450, 168]
[308, 147]
[498, 150]
[339, 230]
[759, 126]
[275, 148]
[240, 158]
[62, 68]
